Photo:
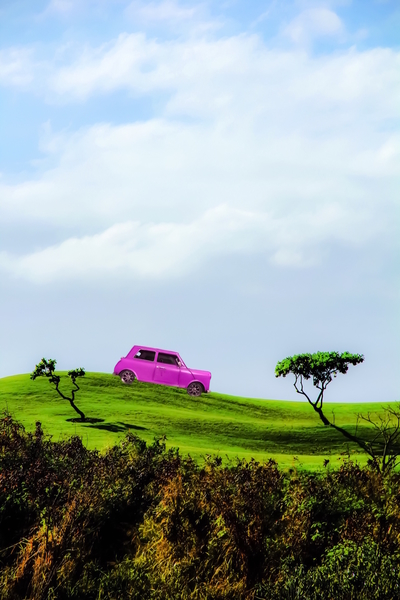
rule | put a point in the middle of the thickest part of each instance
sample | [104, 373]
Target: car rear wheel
[127, 377]
[195, 389]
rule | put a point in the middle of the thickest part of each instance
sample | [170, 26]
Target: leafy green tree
[46, 368]
[321, 366]
[383, 444]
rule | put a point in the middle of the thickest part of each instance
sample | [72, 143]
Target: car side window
[168, 359]
[145, 355]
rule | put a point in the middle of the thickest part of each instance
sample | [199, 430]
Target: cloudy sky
[219, 178]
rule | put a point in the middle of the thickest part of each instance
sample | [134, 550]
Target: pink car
[161, 366]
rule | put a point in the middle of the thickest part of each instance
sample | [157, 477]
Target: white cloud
[295, 148]
[60, 6]
[171, 250]
[390, 151]
[160, 250]
[314, 23]
[164, 171]
[108, 67]
[205, 78]
[71, 8]
[169, 10]
[16, 67]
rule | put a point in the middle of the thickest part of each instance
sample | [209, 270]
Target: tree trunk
[322, 416]
[346, 434]
[80, 413]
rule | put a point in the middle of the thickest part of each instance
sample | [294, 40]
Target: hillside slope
[212, 424]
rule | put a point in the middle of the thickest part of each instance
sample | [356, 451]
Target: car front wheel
[127, 377]
[195, 389]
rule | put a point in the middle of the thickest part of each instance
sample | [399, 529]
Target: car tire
[195, 389]
[127, 377]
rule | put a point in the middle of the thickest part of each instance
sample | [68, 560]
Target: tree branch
[302, 388]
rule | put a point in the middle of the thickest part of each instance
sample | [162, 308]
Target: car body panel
[168, 374]
[165, 367]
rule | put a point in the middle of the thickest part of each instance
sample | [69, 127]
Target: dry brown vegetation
[140, 522]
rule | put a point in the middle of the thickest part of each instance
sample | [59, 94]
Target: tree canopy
[321, 366]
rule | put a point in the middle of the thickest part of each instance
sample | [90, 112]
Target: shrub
[143, 522]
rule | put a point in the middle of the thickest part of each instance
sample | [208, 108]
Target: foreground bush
[144, 523]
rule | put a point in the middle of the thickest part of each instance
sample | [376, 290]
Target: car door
[167, 369]
[144, 365]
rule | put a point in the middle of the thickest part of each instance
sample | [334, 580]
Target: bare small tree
[384, 447]
[46, 368]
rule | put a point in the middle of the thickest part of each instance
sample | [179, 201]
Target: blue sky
[216, 178]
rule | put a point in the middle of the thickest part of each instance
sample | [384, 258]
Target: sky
[217, 178]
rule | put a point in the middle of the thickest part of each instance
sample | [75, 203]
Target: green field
[229, 426]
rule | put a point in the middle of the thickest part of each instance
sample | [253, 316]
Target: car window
[145, 355]
[168, 359]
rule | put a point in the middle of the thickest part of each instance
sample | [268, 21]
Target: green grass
[229, 426]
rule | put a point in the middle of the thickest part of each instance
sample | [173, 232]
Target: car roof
[154, 349]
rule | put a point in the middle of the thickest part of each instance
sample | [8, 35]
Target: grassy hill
[212, 424]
